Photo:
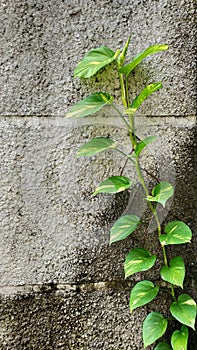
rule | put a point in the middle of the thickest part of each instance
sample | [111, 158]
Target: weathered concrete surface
[83, 320]
[61, 285]
[42, 41]
[71, 320]
[55, 237]
[52, 229]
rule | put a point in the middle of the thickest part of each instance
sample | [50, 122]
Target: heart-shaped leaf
[139, 259]
[142, 144]
[142, 293]
[146, 92]
[161, 193]
[184, 310]
[154, 327]
[163, 346]
[113, 184]
[175, 273]
[96, 145]
[179, 339]
[123, 227]
[94, 60]
[177, 232]
[89, 105]
[139, 57]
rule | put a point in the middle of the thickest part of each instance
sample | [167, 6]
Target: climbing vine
[183, 306]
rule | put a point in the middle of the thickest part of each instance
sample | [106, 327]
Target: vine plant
[183, 307]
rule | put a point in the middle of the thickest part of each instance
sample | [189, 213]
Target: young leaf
[177, 232]
[146, 92]
[94, 60]
[184, 310]
[89, 105]
[139, 57]
[175, 273]
[113, 184]
[96, 145]
[123, 227]
[161, 193]
[142, 293]
[154, 326]
[163, 346]
[123, 54]
[139, 259]
[142, 144]
[179, 339]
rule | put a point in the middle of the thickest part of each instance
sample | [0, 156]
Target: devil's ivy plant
[183, 307]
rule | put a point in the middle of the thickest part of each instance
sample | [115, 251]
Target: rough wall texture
[61, 285]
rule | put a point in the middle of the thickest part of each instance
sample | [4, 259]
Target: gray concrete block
[51, 227]
[61, 320]
[81, 320]
[43, 41]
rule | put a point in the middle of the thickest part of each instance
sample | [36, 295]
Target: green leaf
[142, 144]
[94, 60]
[146, 92]
[179, 339]
[89, 105]
[177, 232]
[175, 273]
[142, 293]
[123, 54]
[154, 327]
[139, 57]
[163, 346]
[161, 193]
[96, 145]
[123, 227]
[113, 184]
[139, 259]
[184, 310]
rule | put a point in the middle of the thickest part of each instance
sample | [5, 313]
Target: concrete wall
[61, 284]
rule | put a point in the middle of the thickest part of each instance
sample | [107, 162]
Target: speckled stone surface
[52, 229]
[61, 284]
[55, 234]
[42, 41]
[70, 321]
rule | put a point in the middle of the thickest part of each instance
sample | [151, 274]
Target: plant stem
[123, 90]
[121, 116]
[150, 174]
[154, 211]
[124, 154]
[140, 176]
[173, 292]
[127, 92]
[165, 290]
[132, 134]
[152, 208]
